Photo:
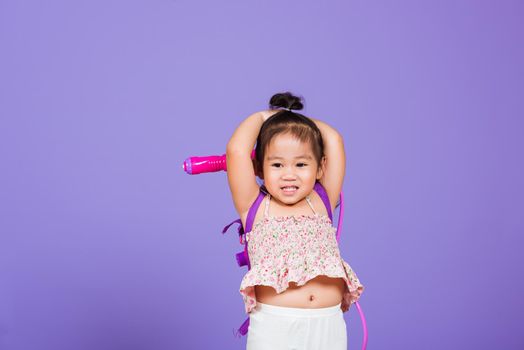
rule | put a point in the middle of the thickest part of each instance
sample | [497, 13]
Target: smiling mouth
[289, 189]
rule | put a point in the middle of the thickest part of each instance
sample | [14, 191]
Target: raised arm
[240, 170]
[335, 162]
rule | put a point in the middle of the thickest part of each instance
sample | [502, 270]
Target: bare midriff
[319, 292]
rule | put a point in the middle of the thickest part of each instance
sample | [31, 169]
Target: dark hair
[287, 121]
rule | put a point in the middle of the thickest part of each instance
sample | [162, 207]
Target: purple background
[107, 244]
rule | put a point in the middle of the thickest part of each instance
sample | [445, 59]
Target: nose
[289, 174]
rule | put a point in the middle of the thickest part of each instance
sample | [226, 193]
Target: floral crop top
[295, 249]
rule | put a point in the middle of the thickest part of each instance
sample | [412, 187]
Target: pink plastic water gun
[207, 164]
[199, 165]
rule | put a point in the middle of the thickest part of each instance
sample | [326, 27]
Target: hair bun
[285, 100]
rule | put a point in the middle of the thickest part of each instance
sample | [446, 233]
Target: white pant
[286, 328]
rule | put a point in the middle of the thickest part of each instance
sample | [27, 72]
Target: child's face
[289, 162]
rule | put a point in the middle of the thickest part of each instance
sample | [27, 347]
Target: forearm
[245, 135]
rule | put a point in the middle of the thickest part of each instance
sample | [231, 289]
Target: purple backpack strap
[253, 211]
[323, 195]
[242, 257]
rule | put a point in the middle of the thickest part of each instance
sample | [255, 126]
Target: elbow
[231, 148]
[235, 148]
[340, 139]
[335, 139]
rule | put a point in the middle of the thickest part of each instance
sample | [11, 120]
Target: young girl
[298, 285]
